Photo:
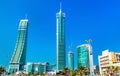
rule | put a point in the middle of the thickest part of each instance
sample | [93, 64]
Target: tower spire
[60, 6]
[26, 16]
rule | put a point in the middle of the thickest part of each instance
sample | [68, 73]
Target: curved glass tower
[19, 55]
[60, 41]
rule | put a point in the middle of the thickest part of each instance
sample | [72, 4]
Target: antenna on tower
[26, 16]
[88, 41]
[60, 6]
[70, 47]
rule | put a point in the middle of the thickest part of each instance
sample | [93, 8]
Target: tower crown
[60, 8]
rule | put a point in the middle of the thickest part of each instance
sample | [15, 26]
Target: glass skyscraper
[71, 60]
[60, 41]
[18, 59]
[84, 57]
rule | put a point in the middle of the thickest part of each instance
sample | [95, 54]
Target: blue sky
[98, 20]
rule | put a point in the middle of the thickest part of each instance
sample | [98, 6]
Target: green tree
[2, 70]
[42, 74]
[27, 75]
[34, 75]
[112, 70]
[66, 71]
[73, 73]
[82, 71]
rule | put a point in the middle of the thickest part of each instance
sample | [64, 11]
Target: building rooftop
[83, 45]
[70, 52]
[24, 20]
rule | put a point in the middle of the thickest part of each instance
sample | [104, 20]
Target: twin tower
[18, 59]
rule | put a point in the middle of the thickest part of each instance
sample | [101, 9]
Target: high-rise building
[71, 60]
[18, 59]
[60, 41]
[108, 59]
[84, 57]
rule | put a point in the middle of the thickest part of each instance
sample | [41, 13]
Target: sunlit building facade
[60, 41]
[108, 59]
[18, 59]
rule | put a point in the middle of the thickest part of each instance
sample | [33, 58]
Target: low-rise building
[38, 68]
[108, 59]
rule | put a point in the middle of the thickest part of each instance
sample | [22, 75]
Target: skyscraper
[60, 41]
[19, 55]
[71, 60]
[84, 57]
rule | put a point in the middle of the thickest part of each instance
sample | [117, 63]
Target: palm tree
[42, 74]
[112, 70]
[2, 70]
[66, 71]
[73, 73]
[82, 71]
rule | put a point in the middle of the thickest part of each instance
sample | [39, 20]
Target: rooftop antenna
[60, 6]
[26, 16]
[70, 47]
[88, 41]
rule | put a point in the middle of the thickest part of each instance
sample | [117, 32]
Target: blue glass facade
[38, 68]
[83, 56]
[71, 60]
[60, 41]
[19, 55]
